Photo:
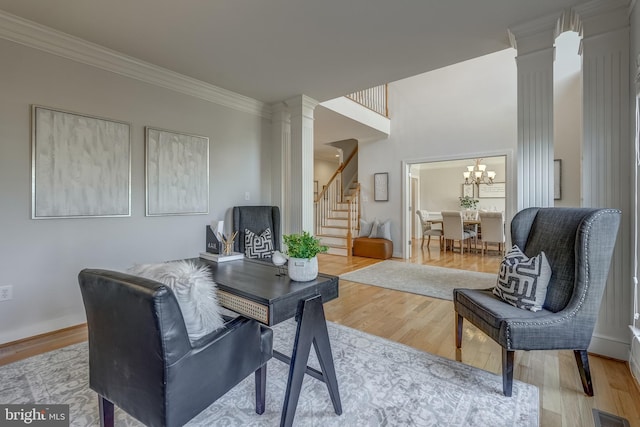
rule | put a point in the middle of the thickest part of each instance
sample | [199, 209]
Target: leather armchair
[141, 359]
[578, 243]
[256, 219]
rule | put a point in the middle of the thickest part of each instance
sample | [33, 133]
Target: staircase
[337, 213]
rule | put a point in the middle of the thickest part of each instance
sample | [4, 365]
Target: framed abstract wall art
[81, 165]
[177, 173]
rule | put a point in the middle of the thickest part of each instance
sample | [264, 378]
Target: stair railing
[374, 98]
[332, 194]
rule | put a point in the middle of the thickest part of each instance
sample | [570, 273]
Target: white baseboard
[42, 328]
[634, 359]
[610, 347]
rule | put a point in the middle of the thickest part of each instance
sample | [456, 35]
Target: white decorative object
[303, 269]
[279, 260]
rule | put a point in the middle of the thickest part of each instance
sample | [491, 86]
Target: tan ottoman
[372, 248]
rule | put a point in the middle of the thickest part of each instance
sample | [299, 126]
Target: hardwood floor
[427, 324]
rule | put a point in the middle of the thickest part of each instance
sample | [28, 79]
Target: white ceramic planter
[303, 269]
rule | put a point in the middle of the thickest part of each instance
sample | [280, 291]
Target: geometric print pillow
[255, 246]
[522, 281]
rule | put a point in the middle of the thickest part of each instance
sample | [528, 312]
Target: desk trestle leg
[312, 329]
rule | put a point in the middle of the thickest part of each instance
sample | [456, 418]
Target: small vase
[303, 269]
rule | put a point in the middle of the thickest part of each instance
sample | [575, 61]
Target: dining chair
[492, 226]
[453, 229]
[429, 229]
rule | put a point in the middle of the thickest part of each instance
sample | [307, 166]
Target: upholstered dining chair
[453, 229]
[578, 244]
[429, 229]
[256, 219]
[142, 360]
[492, 226]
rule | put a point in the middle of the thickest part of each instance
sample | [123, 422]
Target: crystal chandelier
[478, 174]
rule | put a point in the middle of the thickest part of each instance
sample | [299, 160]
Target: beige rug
[437, 282]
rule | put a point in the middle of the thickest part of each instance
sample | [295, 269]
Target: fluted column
[301, 164]
[534, 42]
[608, 155]
[280, 161]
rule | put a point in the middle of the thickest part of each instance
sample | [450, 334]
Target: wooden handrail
[335, 174]
[375, 99]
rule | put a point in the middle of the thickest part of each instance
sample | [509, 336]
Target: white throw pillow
[365, 228]
[194, 289]
[381, 230]
[522, 281]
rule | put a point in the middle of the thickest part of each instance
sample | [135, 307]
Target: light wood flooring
[427, 324]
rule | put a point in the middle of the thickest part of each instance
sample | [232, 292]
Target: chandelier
[478, 174]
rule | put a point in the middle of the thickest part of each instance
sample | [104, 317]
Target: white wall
[41, 258]
[461, 111]
[567, 103]
[323, 170]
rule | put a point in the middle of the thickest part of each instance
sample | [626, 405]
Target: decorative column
[300, 196]
[608, 156]
[280, 161]
[534, 42]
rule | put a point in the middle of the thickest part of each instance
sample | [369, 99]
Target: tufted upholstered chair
[492, 226]
[256, 219]
[453, 228]
[141, 358]
[578, 243]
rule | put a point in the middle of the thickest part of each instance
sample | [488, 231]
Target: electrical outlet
[247, 195]
[6, 293]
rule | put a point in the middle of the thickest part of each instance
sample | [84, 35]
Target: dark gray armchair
[256, 219]
[141, 359]
[578, 243]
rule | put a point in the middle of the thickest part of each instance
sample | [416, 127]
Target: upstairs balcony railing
[374, 99]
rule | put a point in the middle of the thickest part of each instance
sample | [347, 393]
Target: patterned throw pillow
[522, 281]
[255, 246]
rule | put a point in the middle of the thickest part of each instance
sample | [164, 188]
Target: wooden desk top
[257, 282]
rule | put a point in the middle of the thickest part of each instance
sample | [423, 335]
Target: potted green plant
[302, 250]
[467, 202]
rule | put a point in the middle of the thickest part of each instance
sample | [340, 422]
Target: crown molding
[602, 16]
[37, 36]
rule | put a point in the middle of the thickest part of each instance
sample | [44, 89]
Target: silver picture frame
[381, 187]
[81, 165]
[176, 173]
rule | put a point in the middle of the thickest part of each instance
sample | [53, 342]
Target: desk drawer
[244, 306]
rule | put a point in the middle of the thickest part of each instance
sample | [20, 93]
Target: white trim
[37, 36]
[610, 347]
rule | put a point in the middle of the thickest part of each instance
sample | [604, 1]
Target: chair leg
[459, 322]
[106, 412]
[428, 241]
[507, 371]
[261, 388]
[422, 245]
[582, 358]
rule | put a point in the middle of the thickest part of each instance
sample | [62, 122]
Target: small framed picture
[557, 179]
[467, 190]
[381, 187]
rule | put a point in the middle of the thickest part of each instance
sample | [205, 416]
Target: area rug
[381, 383]
[437, 282]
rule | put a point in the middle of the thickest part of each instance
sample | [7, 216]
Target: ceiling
[273, 50]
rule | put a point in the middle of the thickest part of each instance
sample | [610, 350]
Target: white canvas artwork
[177, 173]
[81, 165]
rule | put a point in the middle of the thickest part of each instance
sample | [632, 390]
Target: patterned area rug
[437, 282]
[382, 383]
